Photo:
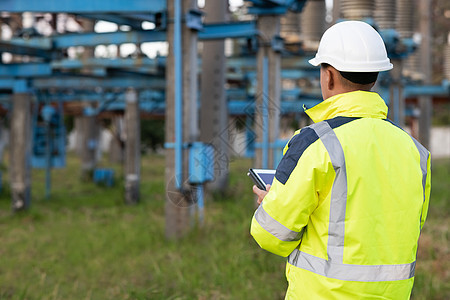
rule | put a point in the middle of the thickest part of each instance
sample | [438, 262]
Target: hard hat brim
[374, 67]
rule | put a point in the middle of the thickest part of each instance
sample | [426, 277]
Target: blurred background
[127, 129]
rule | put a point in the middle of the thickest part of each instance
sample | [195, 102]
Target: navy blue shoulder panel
[396, 125]
[339, 121]
[298, 144]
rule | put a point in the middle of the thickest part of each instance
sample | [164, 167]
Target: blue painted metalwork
[274, 7]
[275, 10]
[6, 83]
[40, 46]
[104, 176]
[200, 204]
[194, 19]
[213, 31]
[83, 6]
[426, 90]
[25, 70]
[265, 112]
[49, 138]
[21, 86]
[277, 43]
[143, 62]
[83, 83]
[89, 39]
[201, 163]
[20, 49]
[178, 68]
[115, 18]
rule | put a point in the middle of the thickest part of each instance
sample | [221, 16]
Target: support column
[90, 132]
[397, 101]
[181, 106]
[268, 92]
[425, 102]
[90, 129]
[116, 148]
[132, 148]
[214, 108]
[20, 151]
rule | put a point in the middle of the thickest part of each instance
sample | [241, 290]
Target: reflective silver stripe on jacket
[333, 267]
[351, 272]
[338, 203]
[424, 154]
[275, 228]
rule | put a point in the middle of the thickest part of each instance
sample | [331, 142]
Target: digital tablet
[261, 177]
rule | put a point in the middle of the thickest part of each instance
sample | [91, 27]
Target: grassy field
[84, 243]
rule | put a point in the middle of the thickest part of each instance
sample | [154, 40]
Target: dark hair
[357, 77]
[360, 77]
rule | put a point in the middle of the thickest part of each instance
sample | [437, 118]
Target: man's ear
[331, 78]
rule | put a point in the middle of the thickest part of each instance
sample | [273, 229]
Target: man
[351, 194]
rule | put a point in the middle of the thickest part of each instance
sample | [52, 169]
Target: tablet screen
[267, 177]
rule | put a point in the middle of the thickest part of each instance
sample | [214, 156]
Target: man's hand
[260, 193]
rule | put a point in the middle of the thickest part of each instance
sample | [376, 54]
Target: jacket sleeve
[279, 222]
[427, 192]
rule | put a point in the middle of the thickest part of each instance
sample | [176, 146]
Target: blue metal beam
[228, 30]
[426, 90]
[81, 83]
[25, 70]
[114, 18]
[21, 48]
[144, 62]
[83, 6]
[108, 38]
[90, 39]
[6, 84]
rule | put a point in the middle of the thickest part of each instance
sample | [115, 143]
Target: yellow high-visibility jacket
[348, 202]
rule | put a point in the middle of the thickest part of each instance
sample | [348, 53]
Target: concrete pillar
[90, 129]
[132, 148]
[90, 132]
[425, 102]
[214, 109]
[397, 101]
[20, 151]
[178, 201]
[336, 13]
[116, 148]
[268, 26]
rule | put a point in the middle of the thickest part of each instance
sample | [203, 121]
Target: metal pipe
[265, 112]
[48, 156]
[200, 204]
[177, 48]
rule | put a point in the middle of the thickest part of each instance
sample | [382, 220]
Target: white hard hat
[352, 46]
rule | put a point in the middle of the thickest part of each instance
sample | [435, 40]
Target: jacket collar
[357, 104]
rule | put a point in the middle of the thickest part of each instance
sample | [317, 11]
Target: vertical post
[425, 102]
[132, 148]
[214, 109]
[336, 14]
[268, 92]
[20, 150]
[265, 113]
[90, 129]
[89, 135]
[116, 149]
[181, 116]
[397, 101]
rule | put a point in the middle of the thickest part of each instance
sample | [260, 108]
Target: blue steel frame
[41, 75]
[177, 42]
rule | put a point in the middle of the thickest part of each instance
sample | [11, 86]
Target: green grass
[84, 243]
